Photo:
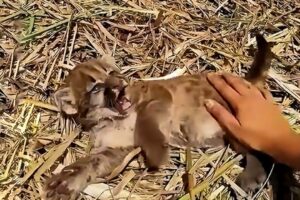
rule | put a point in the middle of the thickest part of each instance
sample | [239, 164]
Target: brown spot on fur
[197, 100]
[207, 92]
[193, 82]
[89, 179]
[63, 190]
[95, 162]
[188, 89]
[173, 87]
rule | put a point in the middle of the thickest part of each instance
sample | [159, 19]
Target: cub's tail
[262, 62]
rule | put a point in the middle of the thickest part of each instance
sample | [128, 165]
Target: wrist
[286, 149]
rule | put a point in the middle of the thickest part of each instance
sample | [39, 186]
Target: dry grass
[41, 40]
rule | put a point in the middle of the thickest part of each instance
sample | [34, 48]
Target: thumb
[222, 115]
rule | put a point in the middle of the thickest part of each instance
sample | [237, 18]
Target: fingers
[226, 91]
[225, 118]
[242, 86]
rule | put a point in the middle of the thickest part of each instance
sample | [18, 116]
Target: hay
[41, 40]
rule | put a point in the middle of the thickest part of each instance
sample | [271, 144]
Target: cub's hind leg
[258, 167]
[254, 173]
[75, 177]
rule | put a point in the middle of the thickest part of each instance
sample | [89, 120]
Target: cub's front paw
[68, 184]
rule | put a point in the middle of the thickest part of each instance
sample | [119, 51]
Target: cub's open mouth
[122, 103]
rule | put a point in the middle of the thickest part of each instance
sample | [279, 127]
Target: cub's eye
[98, 88]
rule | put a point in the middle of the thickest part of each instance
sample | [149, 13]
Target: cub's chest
[114, 133]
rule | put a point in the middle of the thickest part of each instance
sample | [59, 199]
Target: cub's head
[90, 85]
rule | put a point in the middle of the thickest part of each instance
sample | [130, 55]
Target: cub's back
[191, 90]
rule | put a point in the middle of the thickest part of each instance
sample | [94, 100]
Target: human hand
[256, 121]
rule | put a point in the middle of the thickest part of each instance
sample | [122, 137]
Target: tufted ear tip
[109, 62]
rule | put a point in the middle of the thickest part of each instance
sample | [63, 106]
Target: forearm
[287, 150]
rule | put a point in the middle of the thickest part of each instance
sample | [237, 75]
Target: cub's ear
[65, 101]
[108, 63]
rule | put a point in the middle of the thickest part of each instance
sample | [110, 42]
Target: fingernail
[211, 75]
[220, 73]
[209, 103]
